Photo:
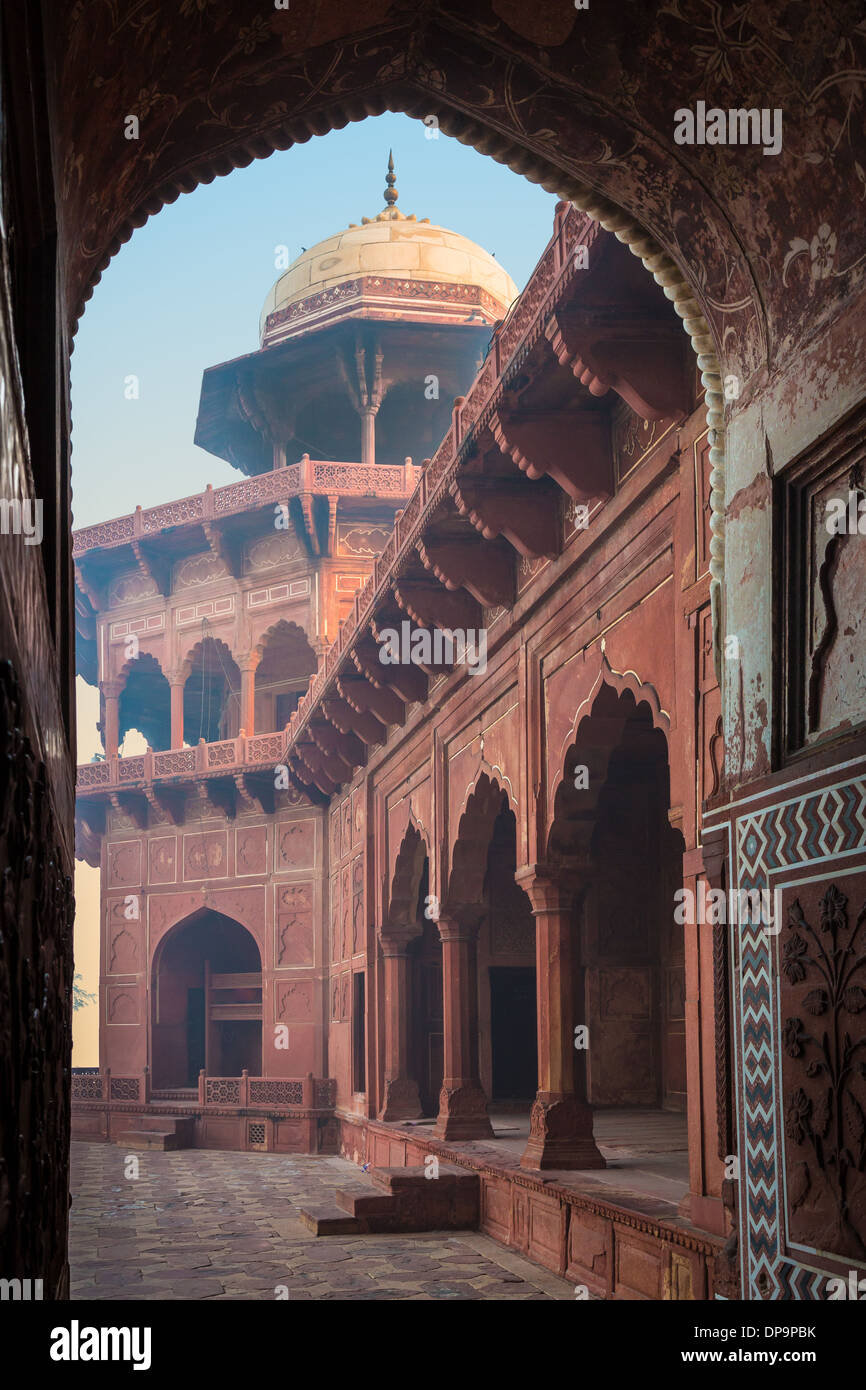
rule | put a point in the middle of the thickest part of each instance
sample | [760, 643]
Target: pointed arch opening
[286, 661]
[145, 703]
[211, 693]
[206, 992]
[613, 843]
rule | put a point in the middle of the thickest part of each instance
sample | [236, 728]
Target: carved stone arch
[494, 773]
[199, 938]
[189, 915]
[133, 664]
[643, 692]
[572, 810]
[406, 882]
[283, 627]
[468, 857]
[197, 649]
[143, 677]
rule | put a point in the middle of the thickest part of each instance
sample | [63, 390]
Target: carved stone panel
[294, 925]
[295, 844]
[251, 849]
[162, 858]
[824, 517]
[124, 863]
[205, 855]
[822, 981]
[293, 1001]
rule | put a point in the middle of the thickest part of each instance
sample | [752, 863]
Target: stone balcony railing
[244, 1092]
[258, 751]
[307, 477]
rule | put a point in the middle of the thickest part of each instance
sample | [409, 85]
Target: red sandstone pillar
[462, 1102]
[560, 1133]
[177, 685]
[248, 666]
[111, 692]
[401, 1099]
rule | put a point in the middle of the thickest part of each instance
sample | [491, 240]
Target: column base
[560, 1134]
[402, 1101]
[463, 1113]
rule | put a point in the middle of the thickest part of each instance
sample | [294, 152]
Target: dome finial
[391, 194]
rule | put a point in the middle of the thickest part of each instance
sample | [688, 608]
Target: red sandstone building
[418, 889]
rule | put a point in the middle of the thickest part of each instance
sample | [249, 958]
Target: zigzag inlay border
[817, 826]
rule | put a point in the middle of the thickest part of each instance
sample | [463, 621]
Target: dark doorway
[359, 1032]
[195, 1045]
[513, 1032]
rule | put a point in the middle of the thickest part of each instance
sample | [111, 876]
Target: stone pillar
[560, 1133]
[248, 666]
[462, 1102]
[401, 1099]
[177, 686]
[111, 694]
[368, 434]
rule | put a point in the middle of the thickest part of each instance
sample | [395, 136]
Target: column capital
[549, 887]
[112, 689]
[248, 662]
[460, 924]
[396, 942]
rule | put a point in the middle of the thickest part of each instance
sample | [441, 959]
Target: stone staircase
[162, 1132]
[399, 1200]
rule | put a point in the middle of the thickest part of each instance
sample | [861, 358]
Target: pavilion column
[560, 1133]
[368, 434]
[177, 687]
[248, 666]
[401, 1099]
[111, 730]
[462, 1102]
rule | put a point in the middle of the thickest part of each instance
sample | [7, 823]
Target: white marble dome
[396, 248]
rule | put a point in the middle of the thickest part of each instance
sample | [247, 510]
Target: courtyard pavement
[198, 1224]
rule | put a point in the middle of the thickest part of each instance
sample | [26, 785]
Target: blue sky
[186, 291]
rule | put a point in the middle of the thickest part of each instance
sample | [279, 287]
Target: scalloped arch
[620, 682]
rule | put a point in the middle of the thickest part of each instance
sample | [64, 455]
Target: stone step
[364, 1201]
[450, 1177]
[326, 1220]
[407, 1199]
[163, 1132]
[163, 1140]
[183, 1125]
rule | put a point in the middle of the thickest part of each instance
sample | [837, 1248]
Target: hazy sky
[186, 292]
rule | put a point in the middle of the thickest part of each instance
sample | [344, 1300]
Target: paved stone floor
[203, 1225]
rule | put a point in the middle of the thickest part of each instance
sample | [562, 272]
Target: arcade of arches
[696, 652]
